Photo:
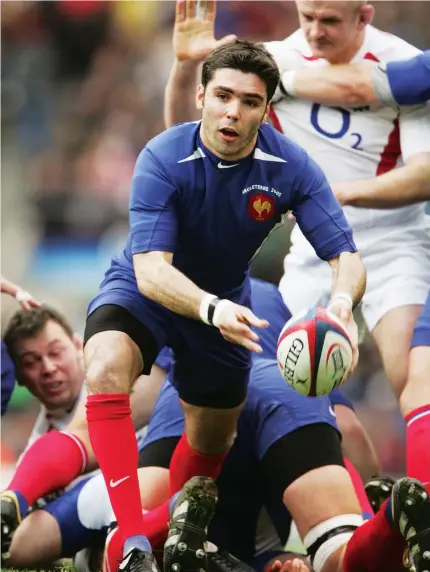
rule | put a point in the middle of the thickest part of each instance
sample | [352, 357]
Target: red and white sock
[51, 463]
[418, 445]
[187, 463]
[113, 551]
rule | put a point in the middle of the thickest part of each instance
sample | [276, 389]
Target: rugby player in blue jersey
[204, 198]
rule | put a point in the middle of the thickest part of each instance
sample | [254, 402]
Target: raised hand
[193, 33]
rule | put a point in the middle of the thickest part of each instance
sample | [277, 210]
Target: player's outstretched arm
[396, 83]
[193, 40]
[160, 281]
[400, 187]
[350, 85]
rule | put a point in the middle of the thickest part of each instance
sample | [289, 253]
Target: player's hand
[26, 300]
[193, 33]
[343, 311]
[295, 565]
[235, 321]
[344, 191]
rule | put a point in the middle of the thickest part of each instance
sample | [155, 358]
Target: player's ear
[366, 15]
[266, 114]
[78, 342]
[200, 96]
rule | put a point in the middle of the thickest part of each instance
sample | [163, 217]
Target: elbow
[148, 277]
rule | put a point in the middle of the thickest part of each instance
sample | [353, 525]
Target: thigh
[393, 335]
[36, 541]
[119, 306]
[397, 277]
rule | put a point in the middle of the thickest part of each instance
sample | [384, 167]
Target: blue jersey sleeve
[7, 377]
[319, 215]
[153, 216]
[410, 79]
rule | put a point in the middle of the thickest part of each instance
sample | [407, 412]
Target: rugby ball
[314, 352]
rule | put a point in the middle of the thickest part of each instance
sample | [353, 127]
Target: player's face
[334, 30]
[234, 105]
[50, 365]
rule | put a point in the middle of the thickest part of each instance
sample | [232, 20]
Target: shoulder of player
[291, 52]
[171, 146]
[280, 146]
[384, 47]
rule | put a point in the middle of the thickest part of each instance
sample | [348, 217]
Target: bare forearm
[404, 186]
[180, 93]
[349, 85]
[8, 287]
[164, 284]
[349, 276]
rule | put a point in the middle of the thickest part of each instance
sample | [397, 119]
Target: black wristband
[211, 310]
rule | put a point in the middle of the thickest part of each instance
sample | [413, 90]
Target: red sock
[374, 547]
[155, 530]
[113, 551]
[187, 463]
[418, 445]
[366, 507]
[114, 442]
[155, 525]
[51, 463]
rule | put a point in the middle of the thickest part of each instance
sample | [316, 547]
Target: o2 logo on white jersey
[346, 123]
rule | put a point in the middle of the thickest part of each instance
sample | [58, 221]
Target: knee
[103, 376]
[113, 363]
[36, 541]
[416, 392]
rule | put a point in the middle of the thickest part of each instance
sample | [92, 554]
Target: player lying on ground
[48, 357]
[358, 149]
[48, 534]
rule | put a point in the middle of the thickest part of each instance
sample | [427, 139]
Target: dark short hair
[247, 57]
[27, 324]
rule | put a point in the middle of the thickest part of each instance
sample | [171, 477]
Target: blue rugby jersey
[214, 215]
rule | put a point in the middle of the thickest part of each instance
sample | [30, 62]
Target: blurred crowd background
[82, 92]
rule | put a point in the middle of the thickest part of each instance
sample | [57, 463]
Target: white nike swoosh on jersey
[114, 484]
[331, 411]
[221, 166]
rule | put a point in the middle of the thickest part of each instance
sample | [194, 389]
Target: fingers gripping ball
[314, 352]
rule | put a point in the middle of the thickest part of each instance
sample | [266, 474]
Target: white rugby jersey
[58, 419]
[353, 144]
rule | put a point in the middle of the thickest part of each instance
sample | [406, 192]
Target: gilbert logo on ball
[314, 352]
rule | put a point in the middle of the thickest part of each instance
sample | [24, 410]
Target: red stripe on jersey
[275, 120]
[370, 56]
[391, 152]
[392, 149]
